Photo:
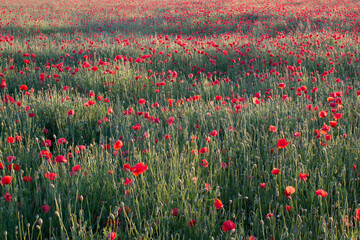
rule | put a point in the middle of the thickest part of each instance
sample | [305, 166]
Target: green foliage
[201, 68]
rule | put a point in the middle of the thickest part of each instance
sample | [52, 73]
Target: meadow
[179, 119]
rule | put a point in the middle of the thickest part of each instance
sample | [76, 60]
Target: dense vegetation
[179, 119]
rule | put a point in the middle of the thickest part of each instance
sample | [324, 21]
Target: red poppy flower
[6, 180]
[79, 148]
[51, 176]
[126, 167]
[357, 218]
[10, 140]
[61, 141]
[219, 98]
[272, 128]
[138, 169]
[288, 191]
[128, 181]
[204, 150]
[275, 171]
[282, 85]
[71, 112]
[262, 185]
[328, 137]
[287, 208]
[282, 143]
[325, 128]
[27, 179]
[136, 127]
[303, 176]
[106, 147]
[170, 101]
[118, 144]
[174, 212]
[127, 193]
[333, 123]
[192, 223]
[170, 120]
[76, 168]
[330, 99]
[207, 187]
[321, 193]
[60, 159]
[23, 87]
[256, 101]
[228, 226]
[204, 163]
[214, 133]
[322, 114]
[337, 116]
[218, 204]
[46, 208]
[45, 154]
[10, 158]
[112, 235]
[141, 101]
[3, 84]
[126, 208]
[7, 197]
[18, 138]
[297, 134]
[46, 143]
[14, 167]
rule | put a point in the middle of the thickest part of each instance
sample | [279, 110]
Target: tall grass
[222, 84]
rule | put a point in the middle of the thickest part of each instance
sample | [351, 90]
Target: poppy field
[179, 119]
